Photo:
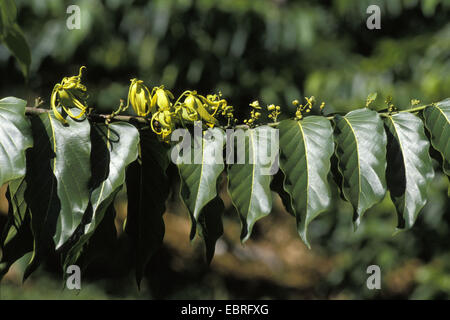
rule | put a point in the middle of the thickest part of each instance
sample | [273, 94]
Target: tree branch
[95, 117]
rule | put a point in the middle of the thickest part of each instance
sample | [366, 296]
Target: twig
[96, 117]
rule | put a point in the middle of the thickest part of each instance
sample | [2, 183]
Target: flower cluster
[160, 108]
[306, 108]
[68, 94]
[156, 105]
[254, 114]
[274, 112]
[390, 106]
[166, 114]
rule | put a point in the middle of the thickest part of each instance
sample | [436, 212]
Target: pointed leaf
[114, 147]
[58, 174]
[147, 189]
[8, 13]
[437, 121]
[17, 238]
[361, 151]
[211, 226]
[103, 242]
[306, 147]
[249, 182]
[15, 138]
[199, 173]
[409, 171]
[14, 39]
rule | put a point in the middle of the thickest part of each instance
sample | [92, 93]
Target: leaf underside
[306, 147]
[409, 171]
[361, 152]
[249, 183]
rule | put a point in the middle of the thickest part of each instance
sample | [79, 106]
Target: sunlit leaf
[409, 171]
[199, 181]
[306, 147]
[114, 147]
[437, 121]
[57, 177]
[249, 181]
[361, 151]
[15, 138]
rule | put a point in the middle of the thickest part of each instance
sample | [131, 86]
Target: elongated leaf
[147, 189]
[58, 174]
[17, 238]
[8, 12]
[199, 177]
[102, 245]
[114, 147]
[409, 171]
[361, 151]
[306, 147]
[249, 182]
[14, 39]
[437, 121]
[211, 226]
[15, 138]
[12, 36]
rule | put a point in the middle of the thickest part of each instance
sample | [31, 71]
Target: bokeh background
[274, 51]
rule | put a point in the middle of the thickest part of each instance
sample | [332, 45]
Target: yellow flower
[255, 104]
[195, 107]
[161, 98]
[187, 110]
[70, 93]
[140, 98]
[162, 124]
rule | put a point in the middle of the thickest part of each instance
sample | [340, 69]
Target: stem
[95, 117]
[416, 109]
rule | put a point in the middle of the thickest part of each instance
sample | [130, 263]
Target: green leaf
[306, 147]
[147, 189]
[58, 174]
[409, 171]
[12, 36]
[114, 147]
[277, 185]
[15, 138]
[361, 151]
[371, 98]
[437, 122]
[17, 238]
[199, 177]
[14, 39]
[249, 182]
[211, 226]
[102, 245]
[8, 13]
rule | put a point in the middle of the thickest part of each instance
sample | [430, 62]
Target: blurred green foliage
[275, 51]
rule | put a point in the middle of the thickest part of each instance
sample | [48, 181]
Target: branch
[95, 117]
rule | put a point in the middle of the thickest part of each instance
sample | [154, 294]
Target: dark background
[274, 51]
